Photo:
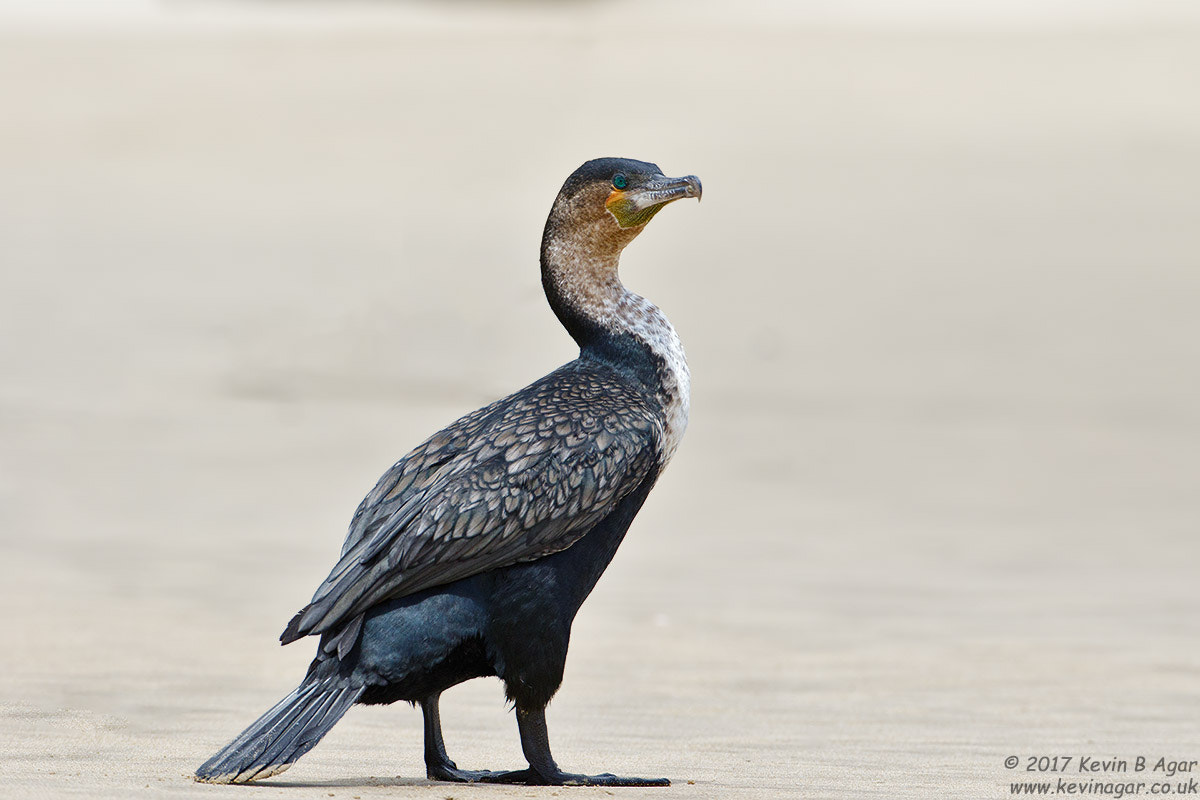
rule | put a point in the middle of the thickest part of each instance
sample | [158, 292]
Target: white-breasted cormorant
[473, 553]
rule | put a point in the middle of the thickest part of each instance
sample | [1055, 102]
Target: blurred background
[938, 501]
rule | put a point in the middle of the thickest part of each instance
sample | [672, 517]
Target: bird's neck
[584, 289]
[612, 324]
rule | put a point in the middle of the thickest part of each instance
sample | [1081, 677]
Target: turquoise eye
[620, 181]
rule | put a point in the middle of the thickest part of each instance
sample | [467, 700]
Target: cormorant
[473, 553]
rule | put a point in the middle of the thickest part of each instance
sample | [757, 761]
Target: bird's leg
[535, 742]
[438, 766]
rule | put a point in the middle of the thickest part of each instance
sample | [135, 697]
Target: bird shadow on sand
[353, 783]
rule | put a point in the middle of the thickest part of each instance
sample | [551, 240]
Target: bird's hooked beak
[636, 205]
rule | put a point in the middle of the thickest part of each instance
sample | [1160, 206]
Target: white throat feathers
[587, 281]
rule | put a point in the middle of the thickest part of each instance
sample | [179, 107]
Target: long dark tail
[287, 731]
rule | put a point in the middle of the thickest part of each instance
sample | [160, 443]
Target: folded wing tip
[292, 632]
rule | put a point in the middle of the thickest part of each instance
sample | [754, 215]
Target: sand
[938, 502]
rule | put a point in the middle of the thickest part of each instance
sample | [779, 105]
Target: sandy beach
[939, 498]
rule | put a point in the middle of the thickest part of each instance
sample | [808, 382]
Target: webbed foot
[449, 771]
[438, 766]
[533, 777]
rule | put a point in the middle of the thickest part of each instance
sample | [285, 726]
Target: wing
[520, 479]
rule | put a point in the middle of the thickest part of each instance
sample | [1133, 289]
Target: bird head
[608, 201]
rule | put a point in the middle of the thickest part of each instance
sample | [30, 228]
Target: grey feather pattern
[517, 480]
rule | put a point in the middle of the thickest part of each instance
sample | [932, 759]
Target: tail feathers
[289, 730]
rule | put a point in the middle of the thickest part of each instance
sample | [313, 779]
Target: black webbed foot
[532, 777]
[438, 766]
[535, 742]
[449, 771]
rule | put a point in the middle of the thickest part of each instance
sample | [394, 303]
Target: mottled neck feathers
[580, 260]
